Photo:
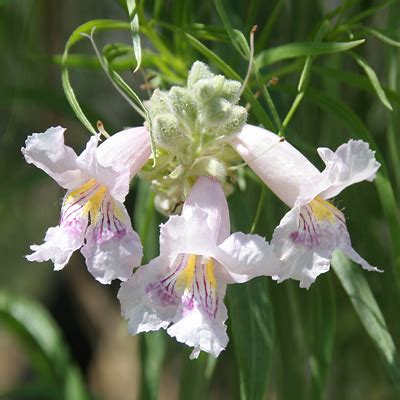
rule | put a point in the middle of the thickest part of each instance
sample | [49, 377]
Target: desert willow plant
[199, 142]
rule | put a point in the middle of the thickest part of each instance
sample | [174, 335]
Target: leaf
[381, 36]
[321, 334]
[75, 37]
[356, 286]
[42, 339]
[196, 376]
[302, 49]
[236, 37]
[252, 327]
[134, 24]
[373, 79]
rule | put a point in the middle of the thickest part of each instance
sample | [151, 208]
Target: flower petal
[59, 244]
[246, 256]
[351, 163]
[306, 238]
[48, 152]
[112, 247]
[140, 305]
[187, 236]
[207, 194]
[279, 165]
[196, 329]
[116, 160]
[129, 147]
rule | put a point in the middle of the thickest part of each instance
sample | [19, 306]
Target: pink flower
[92, 214]
[311, 231]
[182, 290]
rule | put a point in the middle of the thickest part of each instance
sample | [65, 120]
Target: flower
[92, 214]
[310, 232]
[182, 290]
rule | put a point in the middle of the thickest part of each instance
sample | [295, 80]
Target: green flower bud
[235, 123]
[231, 90]
[183, 104]
[215, 113]
[168, 135]
[206, 89]
[198, 71]
[159, 103]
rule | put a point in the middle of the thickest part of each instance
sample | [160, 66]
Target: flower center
[190, 282]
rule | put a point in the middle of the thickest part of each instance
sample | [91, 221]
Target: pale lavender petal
[246, 256]
[351, 163]
[140, 303]
[129, 147]
[112, 247]
[48, 152]
[189, 236]
[207, 194]
[278, 164]
[59, 244]
[306, 238]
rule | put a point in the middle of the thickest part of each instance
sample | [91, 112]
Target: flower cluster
[200, 133]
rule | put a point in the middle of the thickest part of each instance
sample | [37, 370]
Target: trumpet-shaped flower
[92, 214]
[182, 290]
[310, 232]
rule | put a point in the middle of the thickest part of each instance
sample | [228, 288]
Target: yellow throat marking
[94, 199]
[322, 209]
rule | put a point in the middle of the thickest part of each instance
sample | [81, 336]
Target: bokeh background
[61, 334]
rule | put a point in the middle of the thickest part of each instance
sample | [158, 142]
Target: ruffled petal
[112, 247]
[48, 152]
[278, 164]
[141, 304]
[189, 235]
[351, 163]
[306, 238]
[246, 256]
[207, 194]
[59, 244]
[200, 331]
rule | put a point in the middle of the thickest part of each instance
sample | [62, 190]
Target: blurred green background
[61, 334]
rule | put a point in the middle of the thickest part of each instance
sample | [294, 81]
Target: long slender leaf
[134, 23]
[357, 288]
[75, 37]
[294, 50]
[373, 79]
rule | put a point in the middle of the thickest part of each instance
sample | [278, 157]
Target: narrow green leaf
[357, 288]
[373, 79]
[75, 37]
[196, 376]
[236, 37]
[320, 334]
[302, 49]
[251, 320]
[381, 36]
[134, 24]
[42, 339]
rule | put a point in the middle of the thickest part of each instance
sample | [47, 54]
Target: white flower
[310, 232]
[182, 290]
[92, 214]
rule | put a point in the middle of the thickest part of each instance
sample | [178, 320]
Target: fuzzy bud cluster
[187, 125]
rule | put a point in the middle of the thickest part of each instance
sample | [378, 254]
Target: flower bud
[198, 71]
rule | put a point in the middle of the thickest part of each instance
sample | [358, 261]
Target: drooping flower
[182, 290]
[92, 214]
[310, 232]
